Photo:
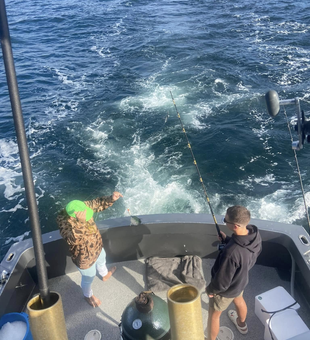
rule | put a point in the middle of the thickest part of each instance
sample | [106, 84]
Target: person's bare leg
[93, 301]
[110, 273]
[213, 323]
[242, 310]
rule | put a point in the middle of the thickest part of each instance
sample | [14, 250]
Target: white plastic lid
[93, 335]
[225, 333]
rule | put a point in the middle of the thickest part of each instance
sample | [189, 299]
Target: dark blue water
[95, 80]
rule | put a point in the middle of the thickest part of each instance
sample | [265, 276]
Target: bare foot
[93, 301]
[110, 273]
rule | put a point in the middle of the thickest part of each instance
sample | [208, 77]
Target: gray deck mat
[129, 280]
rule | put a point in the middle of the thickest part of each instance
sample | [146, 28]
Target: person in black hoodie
[230, 272]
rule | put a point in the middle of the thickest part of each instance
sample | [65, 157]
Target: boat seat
[303, 336]
[273, 300]
[285, 325]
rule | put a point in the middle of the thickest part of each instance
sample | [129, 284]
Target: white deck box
[285, 325]
[271, 301]
[303, 336]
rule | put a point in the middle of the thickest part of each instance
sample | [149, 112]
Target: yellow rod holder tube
[47, 323]
[185, 314]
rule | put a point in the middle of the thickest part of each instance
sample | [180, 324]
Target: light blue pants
[89, 274]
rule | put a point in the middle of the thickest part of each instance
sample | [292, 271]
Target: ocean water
[95, 79]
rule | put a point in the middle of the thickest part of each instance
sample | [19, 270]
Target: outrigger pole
[302, 127]
[24, 155]
[200, 178]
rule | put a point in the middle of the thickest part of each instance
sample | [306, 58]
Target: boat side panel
[160, 235]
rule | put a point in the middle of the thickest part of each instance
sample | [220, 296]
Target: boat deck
[129, 280]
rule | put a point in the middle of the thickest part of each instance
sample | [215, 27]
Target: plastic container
[271, 301]
[145, 317]
[11, 317]
[285, 325]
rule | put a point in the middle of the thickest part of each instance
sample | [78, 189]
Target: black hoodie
[230, 273]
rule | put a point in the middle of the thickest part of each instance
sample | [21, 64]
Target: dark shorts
[221, 303]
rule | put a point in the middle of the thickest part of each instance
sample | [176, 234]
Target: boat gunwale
[164, 235]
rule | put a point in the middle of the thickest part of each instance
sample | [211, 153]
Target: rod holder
[47, 323]
[185, 314]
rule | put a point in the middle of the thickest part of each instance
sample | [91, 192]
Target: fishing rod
[200, 178]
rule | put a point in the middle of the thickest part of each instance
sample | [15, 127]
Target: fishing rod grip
[218, 230]
[219, 233]
[221, 245]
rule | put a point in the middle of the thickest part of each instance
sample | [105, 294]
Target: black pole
[24, 154]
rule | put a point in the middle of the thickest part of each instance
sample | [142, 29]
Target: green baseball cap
[76, 206]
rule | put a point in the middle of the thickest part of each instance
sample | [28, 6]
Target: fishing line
[298, 170]
[200, 178]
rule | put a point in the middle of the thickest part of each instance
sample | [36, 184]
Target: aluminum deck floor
[129, 280]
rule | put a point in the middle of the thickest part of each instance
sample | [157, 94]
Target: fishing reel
[302, 126]
[221, 246]
[222, 243]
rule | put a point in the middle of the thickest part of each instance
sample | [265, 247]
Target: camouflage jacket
[84, 239]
